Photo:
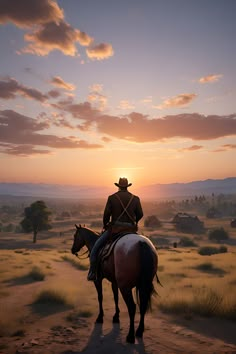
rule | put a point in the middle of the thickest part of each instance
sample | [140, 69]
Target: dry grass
[75, 262]
[193, 284]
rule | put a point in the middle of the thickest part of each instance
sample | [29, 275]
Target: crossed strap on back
[125, 208]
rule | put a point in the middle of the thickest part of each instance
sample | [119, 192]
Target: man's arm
[107, 213]
[139, 210]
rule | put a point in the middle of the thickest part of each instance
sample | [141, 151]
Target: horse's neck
[90, 239]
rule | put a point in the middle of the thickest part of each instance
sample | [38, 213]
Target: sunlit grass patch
[175, 259]
[205, 301]
[177, 275]
[75, 263]
[160, 268]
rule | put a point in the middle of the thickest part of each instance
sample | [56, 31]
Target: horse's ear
[76, 226]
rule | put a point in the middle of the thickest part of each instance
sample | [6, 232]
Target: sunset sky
[94, 90]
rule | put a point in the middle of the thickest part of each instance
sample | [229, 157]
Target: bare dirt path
[52, 333]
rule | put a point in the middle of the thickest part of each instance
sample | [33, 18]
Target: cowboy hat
[123, 182]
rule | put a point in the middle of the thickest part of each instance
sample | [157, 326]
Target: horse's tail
[144, 287]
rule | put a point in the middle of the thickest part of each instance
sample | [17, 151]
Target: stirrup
[92, 276]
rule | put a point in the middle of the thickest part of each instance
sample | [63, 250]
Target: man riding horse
[122, 213]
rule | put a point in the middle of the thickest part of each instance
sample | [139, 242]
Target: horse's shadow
[112, 342]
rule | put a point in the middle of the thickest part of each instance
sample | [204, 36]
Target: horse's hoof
[99, 320]
[130, 339]
[139, 334]
[116, 319]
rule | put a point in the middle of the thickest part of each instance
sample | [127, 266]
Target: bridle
[81, 256]
[85, 252]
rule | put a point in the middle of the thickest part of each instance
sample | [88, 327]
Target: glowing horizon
[152, 100]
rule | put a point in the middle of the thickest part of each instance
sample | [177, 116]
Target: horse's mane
[92, 231]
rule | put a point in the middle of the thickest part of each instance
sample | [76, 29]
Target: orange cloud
[49, 30]
[9, 89]
[27, 13]
[100, 51]
[192, 148]
[59, 82]
[55, 36]
[22, 133]
[181, 100]
[22, 150]
[125, 104]
[141, 128]
[209, 78]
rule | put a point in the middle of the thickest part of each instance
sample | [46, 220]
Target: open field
[47, 305]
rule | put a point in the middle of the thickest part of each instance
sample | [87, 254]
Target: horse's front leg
[116, 317]
[98, 285]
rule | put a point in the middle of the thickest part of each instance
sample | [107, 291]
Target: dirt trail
[53, 334]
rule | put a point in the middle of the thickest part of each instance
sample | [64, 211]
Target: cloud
[27, 13]
[59, 82]
[225, 147]
[19, 130]
[22, 150]
[125, 104]
[100, 51]
[106, 139]
[49, 30]
[192, 148]
[96, 88]
[10, 88]
[209, 78]
[140, 128]
[229, 146]
[181, 100]
[146, 100]
[96, 97]
[83, 111]
[53, 93]
[55, 36]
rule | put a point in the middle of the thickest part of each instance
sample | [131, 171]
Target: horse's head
[79, 240]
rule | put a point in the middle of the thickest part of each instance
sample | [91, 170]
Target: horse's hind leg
[116, 317]
[98, 284]
[128, 298]
[143, 299]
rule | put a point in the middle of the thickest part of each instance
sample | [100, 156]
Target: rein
[80, 257]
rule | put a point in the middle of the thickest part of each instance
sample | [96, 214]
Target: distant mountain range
[156, 191]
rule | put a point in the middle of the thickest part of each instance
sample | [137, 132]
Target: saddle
[107, 250]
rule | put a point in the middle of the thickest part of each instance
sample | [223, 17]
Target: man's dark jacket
[114, 209]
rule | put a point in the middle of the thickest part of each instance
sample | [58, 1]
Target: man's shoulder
[123, 193]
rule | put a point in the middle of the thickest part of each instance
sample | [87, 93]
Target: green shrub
[152, 221]
[37, 274]
[223, 249]
[218, 234]
[187, 242]
[209, 250]
[75, 263]
[208, 267]
[51, 297]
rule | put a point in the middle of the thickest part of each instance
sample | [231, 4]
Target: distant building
[188, 223]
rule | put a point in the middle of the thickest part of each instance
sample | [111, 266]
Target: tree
[36, 218]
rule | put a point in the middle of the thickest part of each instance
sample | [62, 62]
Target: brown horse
[132, 264]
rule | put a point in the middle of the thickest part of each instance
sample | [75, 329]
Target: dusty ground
[48, 330]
